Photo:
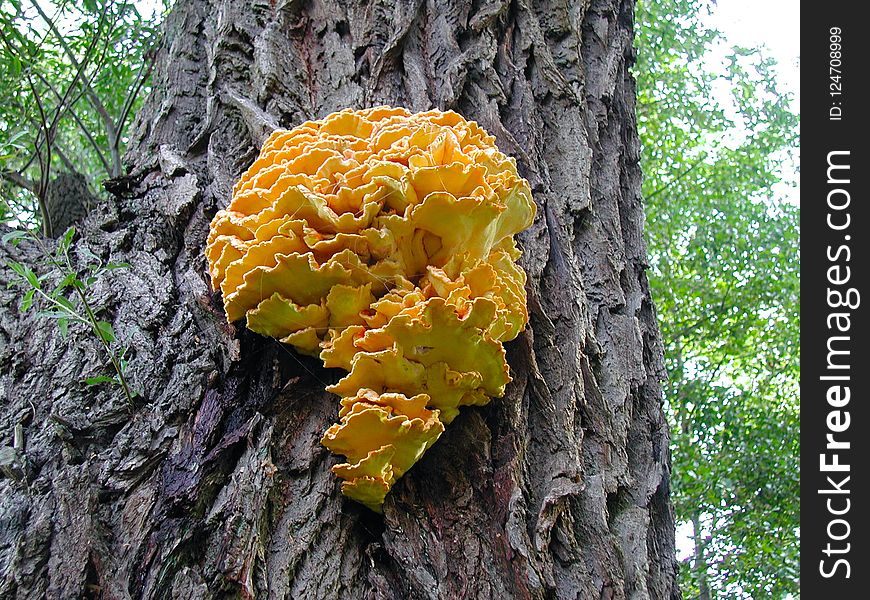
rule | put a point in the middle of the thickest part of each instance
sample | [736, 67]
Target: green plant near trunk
[59, 291]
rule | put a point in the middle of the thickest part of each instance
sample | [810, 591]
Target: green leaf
[53, 314]
[66, 303]
[117, 265]
[31, 277]
[68, 280]
[15, 236]
[99, 379]
[93, 260]
[26, 300]
[105, 331]
[17, 267]
[15, 65]
[63, 325]
[65, 241]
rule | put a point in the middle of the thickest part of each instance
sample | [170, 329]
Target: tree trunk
[215, 484]
[699, 564]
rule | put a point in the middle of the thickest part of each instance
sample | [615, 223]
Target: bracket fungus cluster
[382, 242]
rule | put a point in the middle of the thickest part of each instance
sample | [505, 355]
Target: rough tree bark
[215, 485]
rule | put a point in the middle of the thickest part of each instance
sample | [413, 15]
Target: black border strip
[835, 425]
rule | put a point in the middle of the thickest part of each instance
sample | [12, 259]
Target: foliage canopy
[725, 278]
[72, 75]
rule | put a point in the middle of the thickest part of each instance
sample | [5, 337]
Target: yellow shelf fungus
[382, 242]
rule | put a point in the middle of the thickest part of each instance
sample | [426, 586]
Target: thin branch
[108, 123]
[44, 162]
[707, 316]
[64, 102]
[64, 158]
[113, 135]
[92, 95]
[16, 178]
[48, 131]
[144, 72]
[680, 176]
[80, 123]
[37, 147]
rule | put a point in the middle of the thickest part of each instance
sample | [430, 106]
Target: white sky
[773, 25]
